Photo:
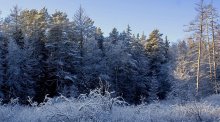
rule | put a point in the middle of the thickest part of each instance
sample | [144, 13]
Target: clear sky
[169, 16]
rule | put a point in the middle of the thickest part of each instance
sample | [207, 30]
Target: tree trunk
[209, 49]
[214, 56]
[198, 68]
[81, 47]
[199, 50]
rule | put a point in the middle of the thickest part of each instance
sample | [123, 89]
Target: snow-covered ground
[97, 108]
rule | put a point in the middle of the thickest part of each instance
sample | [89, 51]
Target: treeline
[46, 54]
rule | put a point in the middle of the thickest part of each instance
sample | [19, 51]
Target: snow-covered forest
[55, 68]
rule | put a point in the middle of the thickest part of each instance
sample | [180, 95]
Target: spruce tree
[113, 36]
[156, 53]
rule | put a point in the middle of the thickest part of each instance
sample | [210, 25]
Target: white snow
[95, 107]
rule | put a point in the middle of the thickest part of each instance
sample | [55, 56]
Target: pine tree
[113, 36]
[167, 46]
[5, 93]
[15, 24]
[83, 26]
[138, 37]
[155, 50]
[84, 32]
[128, 30]
[19, 80]
[100, 40]
[143, 38]
[35, 24]
[61, 52]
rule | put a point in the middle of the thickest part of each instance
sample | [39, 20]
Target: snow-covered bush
[103, 108]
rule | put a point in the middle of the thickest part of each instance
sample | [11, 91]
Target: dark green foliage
[50, 55]
[157, 53]
[19, 38]
[113, 36]
[4, 86]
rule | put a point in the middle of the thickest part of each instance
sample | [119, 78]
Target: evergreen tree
[113, 36]
[19, 80]
[138, 37]
[61, 53]
[143, 38]
[84, 29]
[15, 23]
[5, 93]
[35, 25]
[155, 50]
[100, 40]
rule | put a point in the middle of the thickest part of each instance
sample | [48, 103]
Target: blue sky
[169, 16]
